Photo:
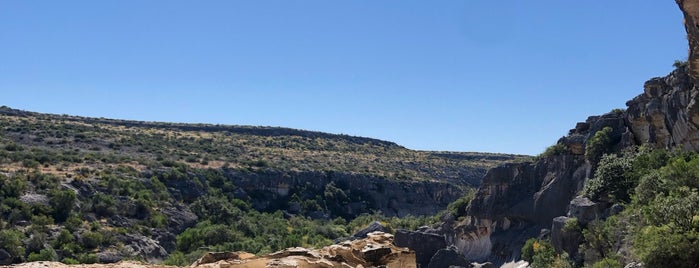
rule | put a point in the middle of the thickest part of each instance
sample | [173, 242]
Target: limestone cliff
[517, 200]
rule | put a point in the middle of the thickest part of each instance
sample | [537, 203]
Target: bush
[458, 207]
[680, 64]
[609, 262]
[599, 144]
[62, 203]
[11, 241]
[47, 254]
[612, 179]
[665, 247]
[553, 150]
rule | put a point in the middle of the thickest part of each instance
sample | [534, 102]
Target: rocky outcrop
[518, 198]
[374, 251]
[690, 10]
[374, 226]
[423, 243]
[354, 194]
[585, 210]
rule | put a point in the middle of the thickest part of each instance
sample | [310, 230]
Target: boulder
[5, 257]
[585, 210]
[374, 226]
[109, 257]
[448, 257]
[424, 244]
[564, 240]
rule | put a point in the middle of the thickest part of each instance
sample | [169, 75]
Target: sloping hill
[92, 189]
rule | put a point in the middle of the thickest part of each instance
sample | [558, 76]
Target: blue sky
[471, 75]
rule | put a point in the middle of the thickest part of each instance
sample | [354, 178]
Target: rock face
[357, 193]
[374, 251]
[690, 10]
[424, 244]
[522, 198]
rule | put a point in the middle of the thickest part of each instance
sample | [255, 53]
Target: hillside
[79, 189]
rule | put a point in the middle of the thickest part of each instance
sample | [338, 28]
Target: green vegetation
[680, 64]
[553, 150]
[72, 187]
[540, 254]
[599, 144]
[660, 225]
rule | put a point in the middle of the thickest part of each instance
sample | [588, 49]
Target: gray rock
[585, 210]
[634, 265]
[142, 246]
[565, 240]
[109, 257]
[374, 226]
[5, 257]
[180, 217]
[448, 257]
[425, 245]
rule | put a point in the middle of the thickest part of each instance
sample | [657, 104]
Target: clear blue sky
[469, 75]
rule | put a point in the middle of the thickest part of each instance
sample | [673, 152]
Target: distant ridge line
[238, 129]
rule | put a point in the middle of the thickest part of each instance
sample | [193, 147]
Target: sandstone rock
[376, 250]
[212, 257]
[448, 257]
[424, 244]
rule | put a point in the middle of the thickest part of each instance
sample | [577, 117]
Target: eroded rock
[376, 250]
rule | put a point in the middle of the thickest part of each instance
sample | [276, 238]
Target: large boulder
[586, 210]
[566, 239]
[424, 244]
[448, 257]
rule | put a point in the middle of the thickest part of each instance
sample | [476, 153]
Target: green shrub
[47, 254]
[62, 203]
[540, 254]
[458, 207]
[599, 144]
[665, 247]
[680, 64]
[609, 262]
[11, 241]
[91, 240]
[553, 150]
[572, 225]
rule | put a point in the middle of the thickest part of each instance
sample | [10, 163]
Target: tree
[62, 203]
